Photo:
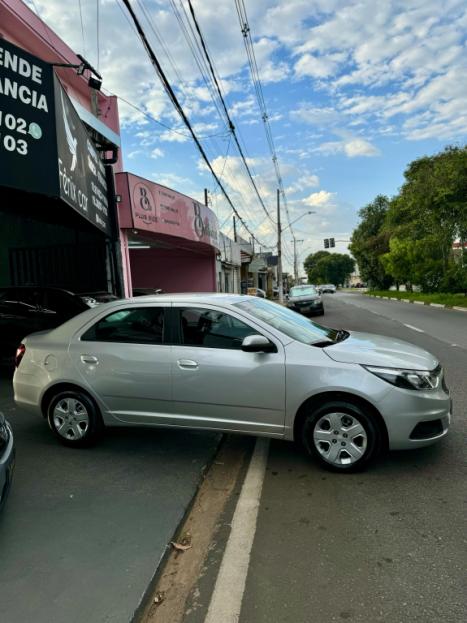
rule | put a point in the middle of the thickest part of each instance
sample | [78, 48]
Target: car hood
[377, 350]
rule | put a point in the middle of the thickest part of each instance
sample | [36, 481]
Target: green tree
[325, 267]
[311, 262]
[370, 240]
[426, 217]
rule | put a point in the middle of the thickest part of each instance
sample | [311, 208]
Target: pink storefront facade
[168, 240]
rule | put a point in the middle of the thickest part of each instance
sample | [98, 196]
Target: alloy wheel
[340, 438]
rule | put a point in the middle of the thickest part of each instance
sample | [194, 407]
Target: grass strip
[441, 298]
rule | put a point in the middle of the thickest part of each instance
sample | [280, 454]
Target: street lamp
[297, 219]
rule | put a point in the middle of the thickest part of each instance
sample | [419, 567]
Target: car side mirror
[258, 344]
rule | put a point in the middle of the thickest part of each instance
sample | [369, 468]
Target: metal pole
[206, 197]
[279, 249]
[235, 229]
[295, 264]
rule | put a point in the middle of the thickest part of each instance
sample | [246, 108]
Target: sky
[355, 90]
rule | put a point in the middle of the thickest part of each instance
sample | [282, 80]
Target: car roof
[190, 297]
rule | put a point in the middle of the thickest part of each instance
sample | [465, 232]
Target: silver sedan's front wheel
[74, 418]
[341, 436]
[340, 439]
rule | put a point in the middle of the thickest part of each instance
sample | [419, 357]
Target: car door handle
[89, 359]
[187, 364]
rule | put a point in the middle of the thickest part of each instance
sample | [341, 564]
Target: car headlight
[408, 379]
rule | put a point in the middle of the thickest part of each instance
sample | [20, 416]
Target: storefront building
[228, 265]
[59, 143]
[169, 241]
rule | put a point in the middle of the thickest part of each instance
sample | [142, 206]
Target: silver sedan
[236, 364]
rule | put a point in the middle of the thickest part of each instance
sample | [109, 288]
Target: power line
[82, 28]
[246, 32]
[168, 89]
[192, 40]
[97, 32]
[229, 120]
[161, 123]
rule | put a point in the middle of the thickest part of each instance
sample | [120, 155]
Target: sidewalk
[83, 531]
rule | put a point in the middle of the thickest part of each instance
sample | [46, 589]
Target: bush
[454, 280]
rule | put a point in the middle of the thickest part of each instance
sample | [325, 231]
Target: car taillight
[19, 354]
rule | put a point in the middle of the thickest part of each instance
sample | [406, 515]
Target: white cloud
[318, 66]
[320, 199]
[303, 183]
[360, 147]
[157, 153]
[351, 147]
[315, 115]
[168, 136]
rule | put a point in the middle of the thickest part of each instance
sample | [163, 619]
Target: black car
[7, 459]
[26, 309]
[95, 298]
[305, 300]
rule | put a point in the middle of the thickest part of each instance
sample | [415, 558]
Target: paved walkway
[84, 530]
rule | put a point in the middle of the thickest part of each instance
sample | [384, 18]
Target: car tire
[341, 436]
[75, 419]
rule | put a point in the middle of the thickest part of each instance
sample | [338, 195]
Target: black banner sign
[80, 168]
[44, 145]
[28, 146]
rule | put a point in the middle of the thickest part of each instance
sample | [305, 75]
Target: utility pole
[279, 249]
[235, 229]
[206, 197]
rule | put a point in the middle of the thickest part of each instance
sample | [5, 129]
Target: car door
[124, 358]
[215, 383]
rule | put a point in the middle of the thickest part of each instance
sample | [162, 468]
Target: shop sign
[158, 209]
[27, 122]
[44, 146]
[80, 169]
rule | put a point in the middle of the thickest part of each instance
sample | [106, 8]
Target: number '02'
[13, 123]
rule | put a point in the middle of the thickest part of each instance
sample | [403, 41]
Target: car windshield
[302, 291]
[289, 322]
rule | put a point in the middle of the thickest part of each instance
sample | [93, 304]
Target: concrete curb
[391, 298]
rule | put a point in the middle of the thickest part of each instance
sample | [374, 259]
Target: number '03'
[11, 144]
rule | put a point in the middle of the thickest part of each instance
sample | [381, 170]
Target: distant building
[228, 265]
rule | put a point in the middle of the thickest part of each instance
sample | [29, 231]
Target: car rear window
[141, 325]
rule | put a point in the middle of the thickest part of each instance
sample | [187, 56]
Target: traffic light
[332, 242]
[326, 243]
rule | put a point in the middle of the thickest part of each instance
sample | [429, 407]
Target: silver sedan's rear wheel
[71, 419]
[341, 436]
[74, 418]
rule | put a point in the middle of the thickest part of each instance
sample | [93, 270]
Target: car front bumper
[416, 419]
[308, 307]
[7, 465]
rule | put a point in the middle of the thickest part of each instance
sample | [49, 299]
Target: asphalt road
[83, 531]
[385, 545]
